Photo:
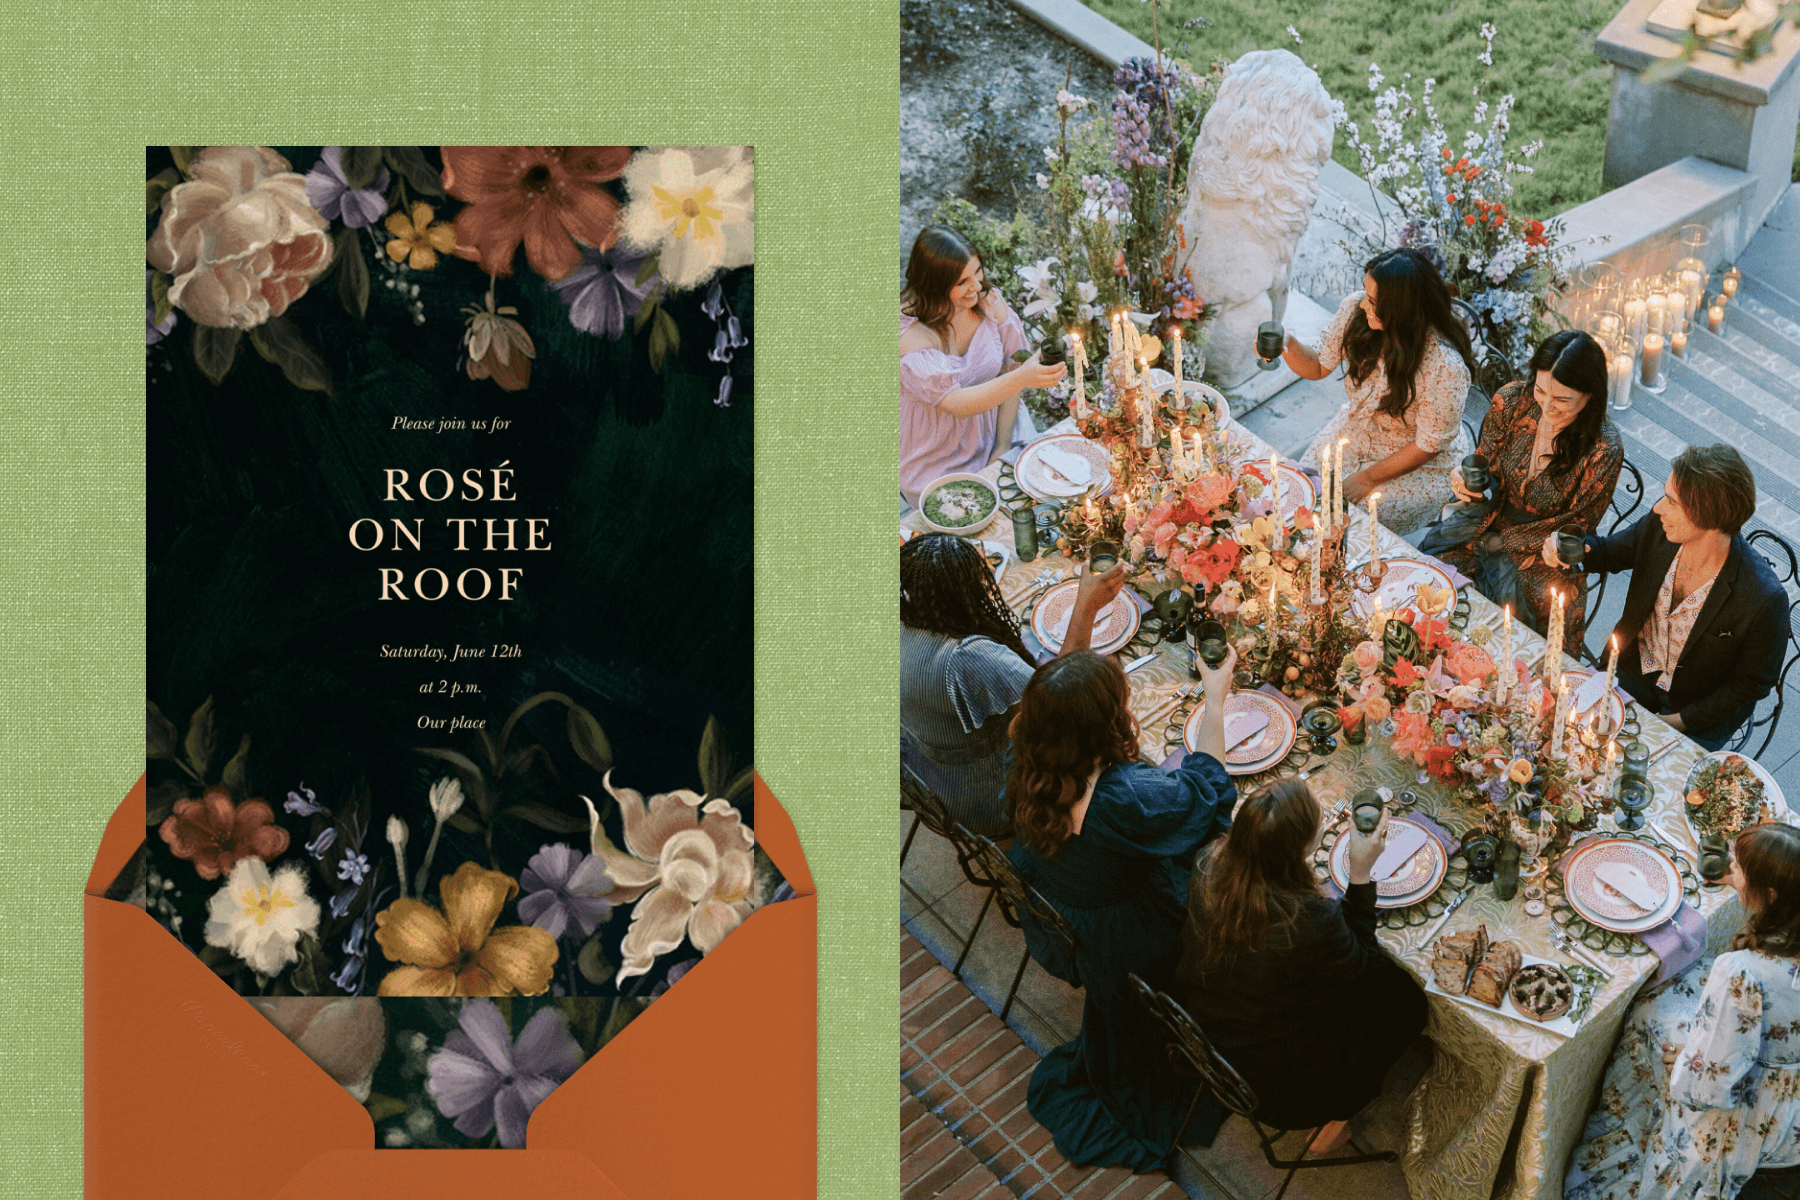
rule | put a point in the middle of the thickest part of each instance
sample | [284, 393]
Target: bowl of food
[1727, 793]
[962, 503]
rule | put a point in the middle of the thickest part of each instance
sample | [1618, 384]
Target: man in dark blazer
[1707, 684]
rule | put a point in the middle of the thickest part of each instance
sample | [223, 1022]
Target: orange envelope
[192, 1093]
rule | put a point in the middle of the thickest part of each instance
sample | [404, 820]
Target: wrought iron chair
[1018, 900]
[928, 809]
[1786, 565]
[1631, 484]
[1190, 1050]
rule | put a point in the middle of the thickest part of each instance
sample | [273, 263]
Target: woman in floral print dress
[1703, 1089]
[1407, 368]
[1555, 460]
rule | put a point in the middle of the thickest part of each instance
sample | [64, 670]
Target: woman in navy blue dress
[1110, 841]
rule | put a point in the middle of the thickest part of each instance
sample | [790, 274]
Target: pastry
[1543, 991]
[1491, 976]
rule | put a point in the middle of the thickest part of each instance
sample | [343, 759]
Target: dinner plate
[1038, 481]
[1580, 675]
[1601, 905]
[1050, 619]
[1562, 1024]
[1296, 486]
[1162, 381]
[1400, 587]
[1259, 753]
[1415, 880]
[1778, 809]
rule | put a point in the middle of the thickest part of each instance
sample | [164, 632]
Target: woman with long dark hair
[1109, 841]
[1408, 363]
[1291, 987]
[962, 667]
[1555, 459]
[959, 388]
[1703, 1089]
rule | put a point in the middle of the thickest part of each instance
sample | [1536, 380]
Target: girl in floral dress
[1409, 363]
[1703, 1089]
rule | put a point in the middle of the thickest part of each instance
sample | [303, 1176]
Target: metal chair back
[1017, 898]
[1631, 484]
[1190, 1049]
[1782, 560]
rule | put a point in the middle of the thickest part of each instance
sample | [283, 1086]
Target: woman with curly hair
[1408, 363]
[959, 388]
[1275, 971]
[1703, 1089]
[962, 667]
[1555, 460]
[1109, 842]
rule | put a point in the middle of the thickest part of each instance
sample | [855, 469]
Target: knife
[1135, 663]
[1454, 904]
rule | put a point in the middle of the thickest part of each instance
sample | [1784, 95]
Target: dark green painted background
[813, 86]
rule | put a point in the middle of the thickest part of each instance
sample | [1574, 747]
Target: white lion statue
[1251, 186]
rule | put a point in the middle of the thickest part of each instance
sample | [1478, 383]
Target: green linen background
[814, 86]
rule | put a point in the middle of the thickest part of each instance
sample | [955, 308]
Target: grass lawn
[1544, 56]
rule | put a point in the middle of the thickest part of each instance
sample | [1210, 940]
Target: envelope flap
[442, 1173]
[775, 833]
[124, 834]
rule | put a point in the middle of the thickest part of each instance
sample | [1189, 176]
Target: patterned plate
[1051, 618]
[1778, 809]
[1414, 881]
[1580, 675]
[1296, 487]
[1603, 906]
[1260, 752]
[1036, 479]
[1400, 586]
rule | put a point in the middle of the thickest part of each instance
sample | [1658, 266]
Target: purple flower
[319, 845]
[303, 805]
[349, 978]
[340, 903]
[603, 291]
[715, 300]
[723, 399]
[564, 886]
[353, 867]
[481, 1078]
[155, 330]
[331, 195]
[674, 975]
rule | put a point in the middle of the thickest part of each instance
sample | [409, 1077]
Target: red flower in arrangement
[1469, 220]
[1412, 735]
[1434, 636]
[1451, 198]
[1534, 234]
[1215, 563]
[1187, 513]
[1187, 308]
[1119, 267]
[1210, 491]
[1446, 153]
[1303, 519]
[213, 833]
[1405, 673]
[1441, 762]
[1470, 662]
[548, 197]
[1351, 715]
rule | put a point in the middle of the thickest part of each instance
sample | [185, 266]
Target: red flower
[1451, 198]
[1469, 220]
[1441, 762]
[1405, 673]
[1186, 309]
[1119, 268]
[215, 833]
[1470, 662]
[1187, 513]
[1351, 715]
[1446, 152]
[1534, 234]
[545, 196]
[1215, 563]
[1412, 735]
[1303, 518]
[1433, 635]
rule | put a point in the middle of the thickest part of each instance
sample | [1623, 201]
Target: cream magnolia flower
[694, 206]
[446, 797]
[259, 917]
[689, 868]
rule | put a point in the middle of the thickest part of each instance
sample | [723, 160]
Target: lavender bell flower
[340, 903]
[330, 193]
[353, 867]
[319, 845]
[603, 292]
[564, 887]
[721, 351]
[349, 977]
[723, 400]
[481, 1079]
[715, 301]
[303, 805]
[738, 340]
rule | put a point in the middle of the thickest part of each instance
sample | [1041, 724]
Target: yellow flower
[417, 242]
[695, 206]
[1521, 771]
[458, 952]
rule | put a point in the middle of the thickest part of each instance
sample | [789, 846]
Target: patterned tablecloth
[1504, 1102]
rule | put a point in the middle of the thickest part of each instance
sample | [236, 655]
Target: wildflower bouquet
[1455, 207]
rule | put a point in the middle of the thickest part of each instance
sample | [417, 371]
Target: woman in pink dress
[959, 388]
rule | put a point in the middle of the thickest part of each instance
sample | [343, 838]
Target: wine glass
[1635, 795]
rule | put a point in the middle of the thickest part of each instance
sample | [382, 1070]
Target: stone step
[1768, 340]
[1773, 296]
[1740, 356]
[1701, 410]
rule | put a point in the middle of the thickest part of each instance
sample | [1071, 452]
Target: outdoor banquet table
[1504, 1101]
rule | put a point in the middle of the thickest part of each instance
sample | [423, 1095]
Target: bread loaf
[1494, 973]
[1454, 956]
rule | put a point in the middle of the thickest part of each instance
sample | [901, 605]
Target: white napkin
[1630, 883]
[1404, 841]
[1059, 628]
[1240, 727]
[1588, 695]
[1007, 557]
[1076, 469]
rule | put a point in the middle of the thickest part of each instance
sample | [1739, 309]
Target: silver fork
[1038, 581]
[1574, 949]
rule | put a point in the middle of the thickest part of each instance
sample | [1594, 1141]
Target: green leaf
[184, 156]
[647, 310]
[360, 164]
[519, 763]
[215, 349]
[312, 975]
[715, 759]
[279, 340]
[199, 743]
[159, 185]
[491, 748]
[665, 339]
[624, 1013]
[410, 164]
[161, 739]
[473, 782]
[591, 962]
[647, 268]
[381, 1107]
[159, 804]
[588, 740]
[352, 275]
[159, 295]
[219, 960]
[463, 821]
[740, 784]
[233, 778]
[530, 703]
[583, 1013]
[545, 817]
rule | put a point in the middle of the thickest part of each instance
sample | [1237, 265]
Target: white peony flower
[260, 917]
[695, 207]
